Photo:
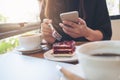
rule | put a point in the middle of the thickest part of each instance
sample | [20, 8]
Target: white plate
[25, 51]
[48, 55]
[76, 69]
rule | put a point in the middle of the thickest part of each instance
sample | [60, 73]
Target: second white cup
[30, 41]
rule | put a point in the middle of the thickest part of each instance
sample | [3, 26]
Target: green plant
[8, 44]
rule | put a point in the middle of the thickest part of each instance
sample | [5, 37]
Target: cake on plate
[65, 48]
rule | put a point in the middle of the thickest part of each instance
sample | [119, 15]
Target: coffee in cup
[100, 60]
[30, 41]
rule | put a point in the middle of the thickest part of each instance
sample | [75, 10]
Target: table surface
[40, 54]
[30, 66]
[19, 67]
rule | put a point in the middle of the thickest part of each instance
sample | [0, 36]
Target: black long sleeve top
[97, 18]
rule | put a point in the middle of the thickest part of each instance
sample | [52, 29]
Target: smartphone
[70, 16]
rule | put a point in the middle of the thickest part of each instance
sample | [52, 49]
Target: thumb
[81, 21]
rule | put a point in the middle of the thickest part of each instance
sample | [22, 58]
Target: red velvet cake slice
[65, 48]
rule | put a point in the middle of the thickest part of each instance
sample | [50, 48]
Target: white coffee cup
[30, 41]
[100, 67]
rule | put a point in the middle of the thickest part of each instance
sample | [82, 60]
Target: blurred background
[22, 16]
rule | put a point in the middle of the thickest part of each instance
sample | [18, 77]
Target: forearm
[94, 35]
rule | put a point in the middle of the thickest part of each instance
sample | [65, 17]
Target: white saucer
[76, 69]
[26, 51]
[48, 55]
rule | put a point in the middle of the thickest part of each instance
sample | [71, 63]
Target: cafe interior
[25, 53]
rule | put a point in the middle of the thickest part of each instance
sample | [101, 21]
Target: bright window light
[113, 7]
[14, 11]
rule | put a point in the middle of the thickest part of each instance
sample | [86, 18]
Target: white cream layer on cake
[65, 48]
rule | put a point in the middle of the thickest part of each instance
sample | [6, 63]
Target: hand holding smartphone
[70, 16]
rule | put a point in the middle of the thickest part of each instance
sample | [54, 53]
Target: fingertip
[50, 20]
[60, 24]
[80, 20]
[64, 22]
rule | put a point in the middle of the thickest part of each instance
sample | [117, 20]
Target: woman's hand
[47, 31]
[75, 30]
[81, 30]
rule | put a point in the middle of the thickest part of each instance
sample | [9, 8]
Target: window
[18, 16]
[114, 8]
